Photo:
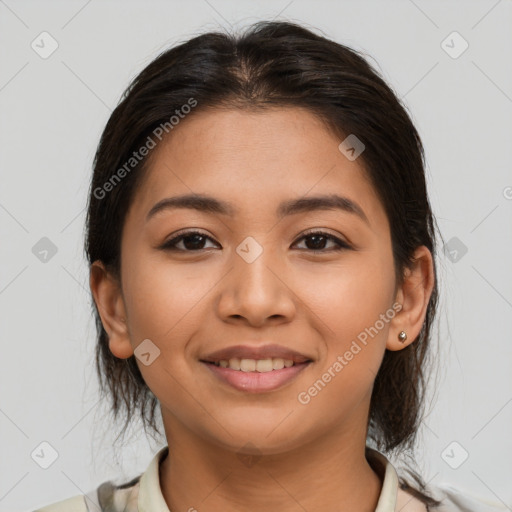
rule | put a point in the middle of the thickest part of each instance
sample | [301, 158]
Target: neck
[330, 473]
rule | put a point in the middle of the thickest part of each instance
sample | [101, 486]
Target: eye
[193, 241]
[319, 239]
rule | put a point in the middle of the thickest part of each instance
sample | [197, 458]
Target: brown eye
[193, 241]
[319, 239]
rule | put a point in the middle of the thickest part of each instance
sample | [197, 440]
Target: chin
[260, 438]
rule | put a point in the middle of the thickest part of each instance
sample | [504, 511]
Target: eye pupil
[193, 245]
[315, 244]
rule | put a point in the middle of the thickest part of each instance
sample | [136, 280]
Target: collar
[151, 499]
[389, 477]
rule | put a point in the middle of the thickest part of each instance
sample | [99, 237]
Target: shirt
[143, 493]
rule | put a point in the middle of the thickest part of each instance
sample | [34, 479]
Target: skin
[310, 457]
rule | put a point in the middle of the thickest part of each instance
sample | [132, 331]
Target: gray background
[52, 113]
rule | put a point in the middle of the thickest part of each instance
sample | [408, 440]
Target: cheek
[351, 307]
[348, 298]
[347, 312]
[162, 299]
[164, 305]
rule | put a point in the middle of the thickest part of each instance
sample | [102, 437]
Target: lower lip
[256, 382]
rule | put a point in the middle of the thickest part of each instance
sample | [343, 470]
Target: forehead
[254, 160]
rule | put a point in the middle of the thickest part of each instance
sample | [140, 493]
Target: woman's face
[252, 277]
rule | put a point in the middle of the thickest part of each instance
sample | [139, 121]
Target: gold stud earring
[402, 337]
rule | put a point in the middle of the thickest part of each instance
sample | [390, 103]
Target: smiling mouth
[256, 365]
[256, 376]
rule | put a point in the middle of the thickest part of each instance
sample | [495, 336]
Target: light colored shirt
[143, 494]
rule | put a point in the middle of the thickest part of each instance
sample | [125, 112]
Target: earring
[402, 337]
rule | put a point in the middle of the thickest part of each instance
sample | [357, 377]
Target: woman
[262, 263]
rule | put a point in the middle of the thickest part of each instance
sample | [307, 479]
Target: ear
[109, 300]
[414, 295]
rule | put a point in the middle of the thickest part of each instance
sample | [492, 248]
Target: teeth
[258, 365]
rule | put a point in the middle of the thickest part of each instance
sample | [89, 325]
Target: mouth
[256, 376]
[256, 365]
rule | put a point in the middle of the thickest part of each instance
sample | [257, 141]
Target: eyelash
[170, 245]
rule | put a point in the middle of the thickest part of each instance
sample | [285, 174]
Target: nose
[256, 291]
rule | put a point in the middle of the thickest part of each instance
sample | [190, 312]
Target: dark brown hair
[274, 64]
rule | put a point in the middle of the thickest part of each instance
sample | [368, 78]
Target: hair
[273, 65]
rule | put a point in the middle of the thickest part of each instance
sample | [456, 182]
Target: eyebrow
[208, 204]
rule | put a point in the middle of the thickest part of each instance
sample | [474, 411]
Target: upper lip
[260, 352]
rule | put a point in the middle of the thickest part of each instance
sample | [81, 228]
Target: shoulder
[451, 500]
[455, 499]
[107, 497]
[112, 497]
[73, 504]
